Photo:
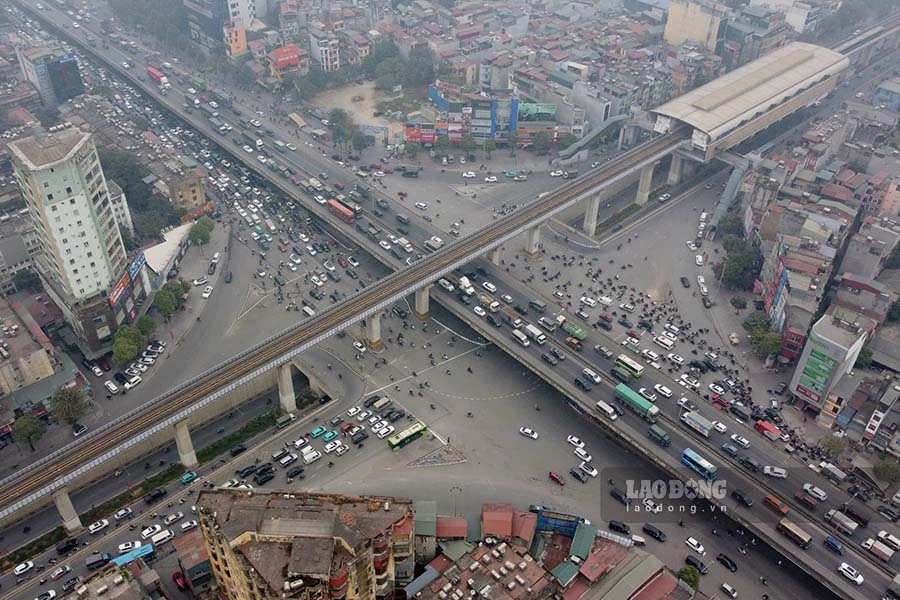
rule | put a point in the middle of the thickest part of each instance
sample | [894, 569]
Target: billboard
[134, 269]
[531, 112]
[427, 132]
[65, 78]
[289, 56]
[119, 291]
[550, 520]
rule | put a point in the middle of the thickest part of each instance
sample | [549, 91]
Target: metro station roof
[725, 103]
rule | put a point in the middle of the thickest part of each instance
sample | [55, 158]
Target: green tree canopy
[690, 576]
[489, 146]
[835, 446]
[756, 321]
[146, 325]
[467, 144]
[28, 430]
[68, 405]
[442, 144]
[886, 470]
[412, 149]
[28, 280]
[541, 144]
[565, 140]
[741, 265]
[864, 360]
[177, 289]
[164, 301]
[128, 343]
[358, 140]
[766, 343]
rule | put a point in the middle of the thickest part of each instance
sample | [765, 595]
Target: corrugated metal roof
[583, 540]
[722, 105]
[452, 527]
[565, 572]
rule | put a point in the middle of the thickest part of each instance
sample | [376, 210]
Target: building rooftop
[48, 149]
[721, 106]
[841, 336]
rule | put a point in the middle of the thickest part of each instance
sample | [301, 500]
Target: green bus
[407, 436]
[632, 367]
[198, 83]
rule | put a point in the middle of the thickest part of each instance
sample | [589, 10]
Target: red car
[178, 578]
[635, 334]
[606, 317]
[338, 185]
[557, 478]
[342, 261]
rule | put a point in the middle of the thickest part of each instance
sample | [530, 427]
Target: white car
[583, 454]
[360, 347]
[311, 251]
[255, 123]
[201, 281]
[575, 441]
[446, 284]
[627, 307]
[720, 427]
[716, 388]
[556, 173]
[588, 469]
[490, 179]
[588, 301]
[479, 311]
[729, 590]
[97, 371]
[851, 573]
[361, 417]
[528, 432]
[651, 506]
[688, 381]
[353, 411]
[295, 259]
[150, 531]
[332, 446]
[176, 516]
[469, 175]
[740, 440]
[647, 394]
[98, 526]
[694, 545]
[352, 261]
[384, 432]
[23, 568]
[489, 286]
[816, 492]
[129, 546]
[378, 174]
[385, 245]
[188, 525]
[207, 292]
[675, 359]
[122, 514]
[421, 206]
[698, 260]
[316, 281]
[775, 472]
[663, 390]
[248, 149]
[691, 245]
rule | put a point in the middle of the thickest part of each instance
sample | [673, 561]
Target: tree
[767, 343]
[885, 470]
[756, 321]
[68, 405]
[28, 430]
[565, 140]
[27, 279]
[358, 141]
[198, 235]
[467, 144]
[738, 302]
[690, 575]
[541, 144]
[128, 344]
[165, 303]
[864, 360]
[893, 261]
[835, 446]
[489, 146]
[412, 149]
[178, 290]
[512, 138]
[731, 224]
[146, 325]
[442, 144]
[894, 312]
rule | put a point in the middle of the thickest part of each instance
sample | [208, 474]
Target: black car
[494, 321]
[396, 416]
[464, 298]
[265, 477]
[558, 354]
[296, 472]
[727, 562]
[351, 273]
[371, 400]
[749, 464]
[336, 420]
[549, 359]
[67, 546]
[70, 584]
[698, 365]
[742, 497]
[698, 564]
[889, 513]
[228, 277]
[583, 384]
[578, 474]
[246, 471]
[604, 325]
[619, 527]
[711, 365]
[654, 532]
[238, 449]
[265, 468]
[686, 282]
[706, 302]
[399, 312]
[359, 437]
[620, 496]
[625, 323]
[155, 495]
[520, 309]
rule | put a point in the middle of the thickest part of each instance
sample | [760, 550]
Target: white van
[216, 257]
[605, 300]
[162, 537]
[592, 375]
[312, 457]
[607, 411]
[889, 539]
[287, 459]
[307, 450]
[671, 329]
[664, 342]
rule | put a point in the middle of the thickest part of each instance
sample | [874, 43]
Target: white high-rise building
[242, 12]
[82, 256]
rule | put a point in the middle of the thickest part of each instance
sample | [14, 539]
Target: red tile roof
[524, 525]
[452, 527]
[657, 589]
[496, 519]
[838, 192]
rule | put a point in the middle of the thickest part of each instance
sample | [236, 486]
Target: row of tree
[68, 405]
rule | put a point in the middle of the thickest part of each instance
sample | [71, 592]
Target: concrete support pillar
[423, 302]
[676, 170]
[373, 331]
[63, 503]
[494, 256]
[533, 244]
[286, 396]
[185, 446]
[621, 137]
[643, 193]
[591, 208]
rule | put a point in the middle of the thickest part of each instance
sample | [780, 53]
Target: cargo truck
[434, 243]
[404, 243]
[280, 146]
[882, 551]
[489, 303]
[535, 334]
[844, 523]
[637, 403]
[511, 317]
[894, 587]
[316, 184]
[158, 76]
[574, 330]
[466, 286]
[659, 435]
[697, 422]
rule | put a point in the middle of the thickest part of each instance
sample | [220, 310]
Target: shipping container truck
[637, 403]
[535, 334]
[882, 551]
[841, 521]
[768, 430]
[511, 317]
[697, 422]
[574, 330]
[659, 435]
[466, 286]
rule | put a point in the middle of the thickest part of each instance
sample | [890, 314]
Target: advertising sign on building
[412, 133]
[428, 134]
[289, 56]
[119, 290]
[530, 112]
[562, 523]
[136, 265]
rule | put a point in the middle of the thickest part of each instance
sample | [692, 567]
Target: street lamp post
[455, 491]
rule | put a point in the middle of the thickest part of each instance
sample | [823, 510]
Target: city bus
[341, 212]
[794, 533]
[630, 366]
[407, 436]
[353, 207]
[699, 464]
